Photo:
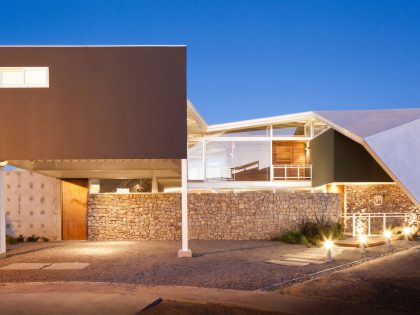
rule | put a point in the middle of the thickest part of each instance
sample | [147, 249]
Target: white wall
[33, 205]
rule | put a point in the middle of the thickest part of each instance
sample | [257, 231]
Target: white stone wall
[246, 215]
[33, 205]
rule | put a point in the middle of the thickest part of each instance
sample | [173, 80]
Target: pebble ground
[216, 264]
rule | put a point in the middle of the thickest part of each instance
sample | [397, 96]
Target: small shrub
[11, 240]
[20, 239]
[304, 240]
[33, 238]
[310, 232]
[45, 239]
[291, 237]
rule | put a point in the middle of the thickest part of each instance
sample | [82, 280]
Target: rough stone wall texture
[32, 205]
[246, 215]
[388, 198]
[134, 217]
[377, 198]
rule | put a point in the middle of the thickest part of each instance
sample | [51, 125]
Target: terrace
[275, 154]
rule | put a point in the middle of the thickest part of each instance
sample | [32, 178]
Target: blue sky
[250, 59]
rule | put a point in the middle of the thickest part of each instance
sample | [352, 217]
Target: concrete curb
[321, 273]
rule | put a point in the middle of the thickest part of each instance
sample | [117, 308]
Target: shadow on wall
[32, 205]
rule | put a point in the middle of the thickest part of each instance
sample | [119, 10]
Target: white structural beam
[2, 214]
[184, 251]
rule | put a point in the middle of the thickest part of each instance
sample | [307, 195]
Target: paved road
[392, 282]
[84, 298]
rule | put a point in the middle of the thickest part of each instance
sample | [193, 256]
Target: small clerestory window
[24, 77]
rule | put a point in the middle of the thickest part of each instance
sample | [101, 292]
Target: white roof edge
[339, 128]
[259, 121]
[197, 116]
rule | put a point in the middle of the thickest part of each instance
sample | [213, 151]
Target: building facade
[133, 159]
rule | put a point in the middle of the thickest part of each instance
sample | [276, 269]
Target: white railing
[363, 221]
[292, 172]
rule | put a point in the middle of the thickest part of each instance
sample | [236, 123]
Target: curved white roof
[391, 136]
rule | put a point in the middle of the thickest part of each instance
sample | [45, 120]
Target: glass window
[219, 160]
[34, 77]
[195, 160]
[237, 160]
[319, 127]
[125, 186]
[250, 132]
[252, 161]
[24, 77]
[289, 130]
[12, 78]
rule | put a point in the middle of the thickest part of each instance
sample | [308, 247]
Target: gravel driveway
[218, 264]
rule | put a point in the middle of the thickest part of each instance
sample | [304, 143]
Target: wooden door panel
[74, 209]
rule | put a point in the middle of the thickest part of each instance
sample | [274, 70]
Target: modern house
[132, 156]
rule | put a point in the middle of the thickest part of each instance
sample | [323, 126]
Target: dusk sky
[251, 59]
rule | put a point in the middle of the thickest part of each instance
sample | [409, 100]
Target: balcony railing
[292, 172]
[374, 224]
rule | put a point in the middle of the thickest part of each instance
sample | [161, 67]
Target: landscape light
[363, 240]
[328, 244]
[388, 235]
[407, 232]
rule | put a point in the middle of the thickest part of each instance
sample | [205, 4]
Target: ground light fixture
[363, 241]
[328, 244]
[407, 232]
[3, 163]
[388, 235]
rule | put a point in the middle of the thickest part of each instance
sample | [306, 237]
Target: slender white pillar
[184, 251]
[2, 215]
[155, 187]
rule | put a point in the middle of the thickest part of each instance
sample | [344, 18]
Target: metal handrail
[288, 171]
[369, 216]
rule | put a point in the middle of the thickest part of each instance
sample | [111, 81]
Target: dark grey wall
[102, 103]
[322, 157]
[352, 163]
[337, 158]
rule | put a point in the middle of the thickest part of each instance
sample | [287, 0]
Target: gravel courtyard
[217, 264]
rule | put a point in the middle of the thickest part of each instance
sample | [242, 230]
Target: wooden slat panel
[74, 209]
[289, 152]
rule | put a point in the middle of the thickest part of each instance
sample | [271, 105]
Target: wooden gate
[74, 194]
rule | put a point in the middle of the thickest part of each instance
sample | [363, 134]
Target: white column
[155, 187]
[2, 215]
[184, 251]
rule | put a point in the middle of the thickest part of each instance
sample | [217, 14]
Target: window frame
[23, 70]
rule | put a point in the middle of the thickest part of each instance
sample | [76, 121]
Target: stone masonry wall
[387, 198]
[246, 215]
[377, 198]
